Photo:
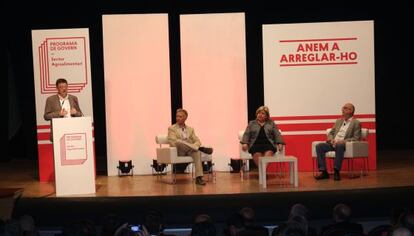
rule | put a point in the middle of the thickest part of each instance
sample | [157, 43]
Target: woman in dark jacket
[262, 137]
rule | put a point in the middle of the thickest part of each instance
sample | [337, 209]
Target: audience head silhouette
[248, 215]
[203, 226]
[299, 210]
[153, 221]
[341, 212]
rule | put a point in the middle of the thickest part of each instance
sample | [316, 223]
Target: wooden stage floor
[391, 185]
[395, 169]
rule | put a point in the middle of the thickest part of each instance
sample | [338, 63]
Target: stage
[371, 196]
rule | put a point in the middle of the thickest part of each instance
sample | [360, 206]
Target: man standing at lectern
[61, 104]
[184, 138]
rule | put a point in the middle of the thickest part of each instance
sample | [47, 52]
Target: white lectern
[73, 156]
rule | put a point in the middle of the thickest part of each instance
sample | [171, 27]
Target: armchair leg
[363, 169]
[351, 168]
[193, 176]
[210, 171]
[173, 172]
[242, 174]
[366, 166]
[173, 177]
[314, 163]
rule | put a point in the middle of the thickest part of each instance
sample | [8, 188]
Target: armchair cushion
[356, 149]
[314, 143]
[168, 155]
[352, 149]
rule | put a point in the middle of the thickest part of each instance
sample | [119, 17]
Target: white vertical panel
[214, 89]
[137, 87]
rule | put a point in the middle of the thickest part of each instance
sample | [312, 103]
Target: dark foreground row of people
[241, 223]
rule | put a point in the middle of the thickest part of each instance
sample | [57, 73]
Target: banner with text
[310, 71]
[59, 53]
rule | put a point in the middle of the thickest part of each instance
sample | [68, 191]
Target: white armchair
[169, 156]
[353, 150]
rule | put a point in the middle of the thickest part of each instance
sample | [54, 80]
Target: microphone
[61, 107]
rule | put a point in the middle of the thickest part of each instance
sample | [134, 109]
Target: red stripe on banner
[46, 163]
[304, 127]
[319, 117]
[317, 126]
[320, 64]
[315, 40]
[48, 126]
[43, 136]
[46, 136]
[369, 125]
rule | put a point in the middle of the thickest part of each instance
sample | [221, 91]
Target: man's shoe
[322, 175]
[337, 176]
[200, 181]
[207, 150]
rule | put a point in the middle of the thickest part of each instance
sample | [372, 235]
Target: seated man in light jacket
[345, 129]
[184, 138]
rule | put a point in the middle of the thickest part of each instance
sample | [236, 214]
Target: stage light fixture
[125, 168]
[158, 169]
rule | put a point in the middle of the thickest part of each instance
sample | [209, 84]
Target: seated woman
[262, 137]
